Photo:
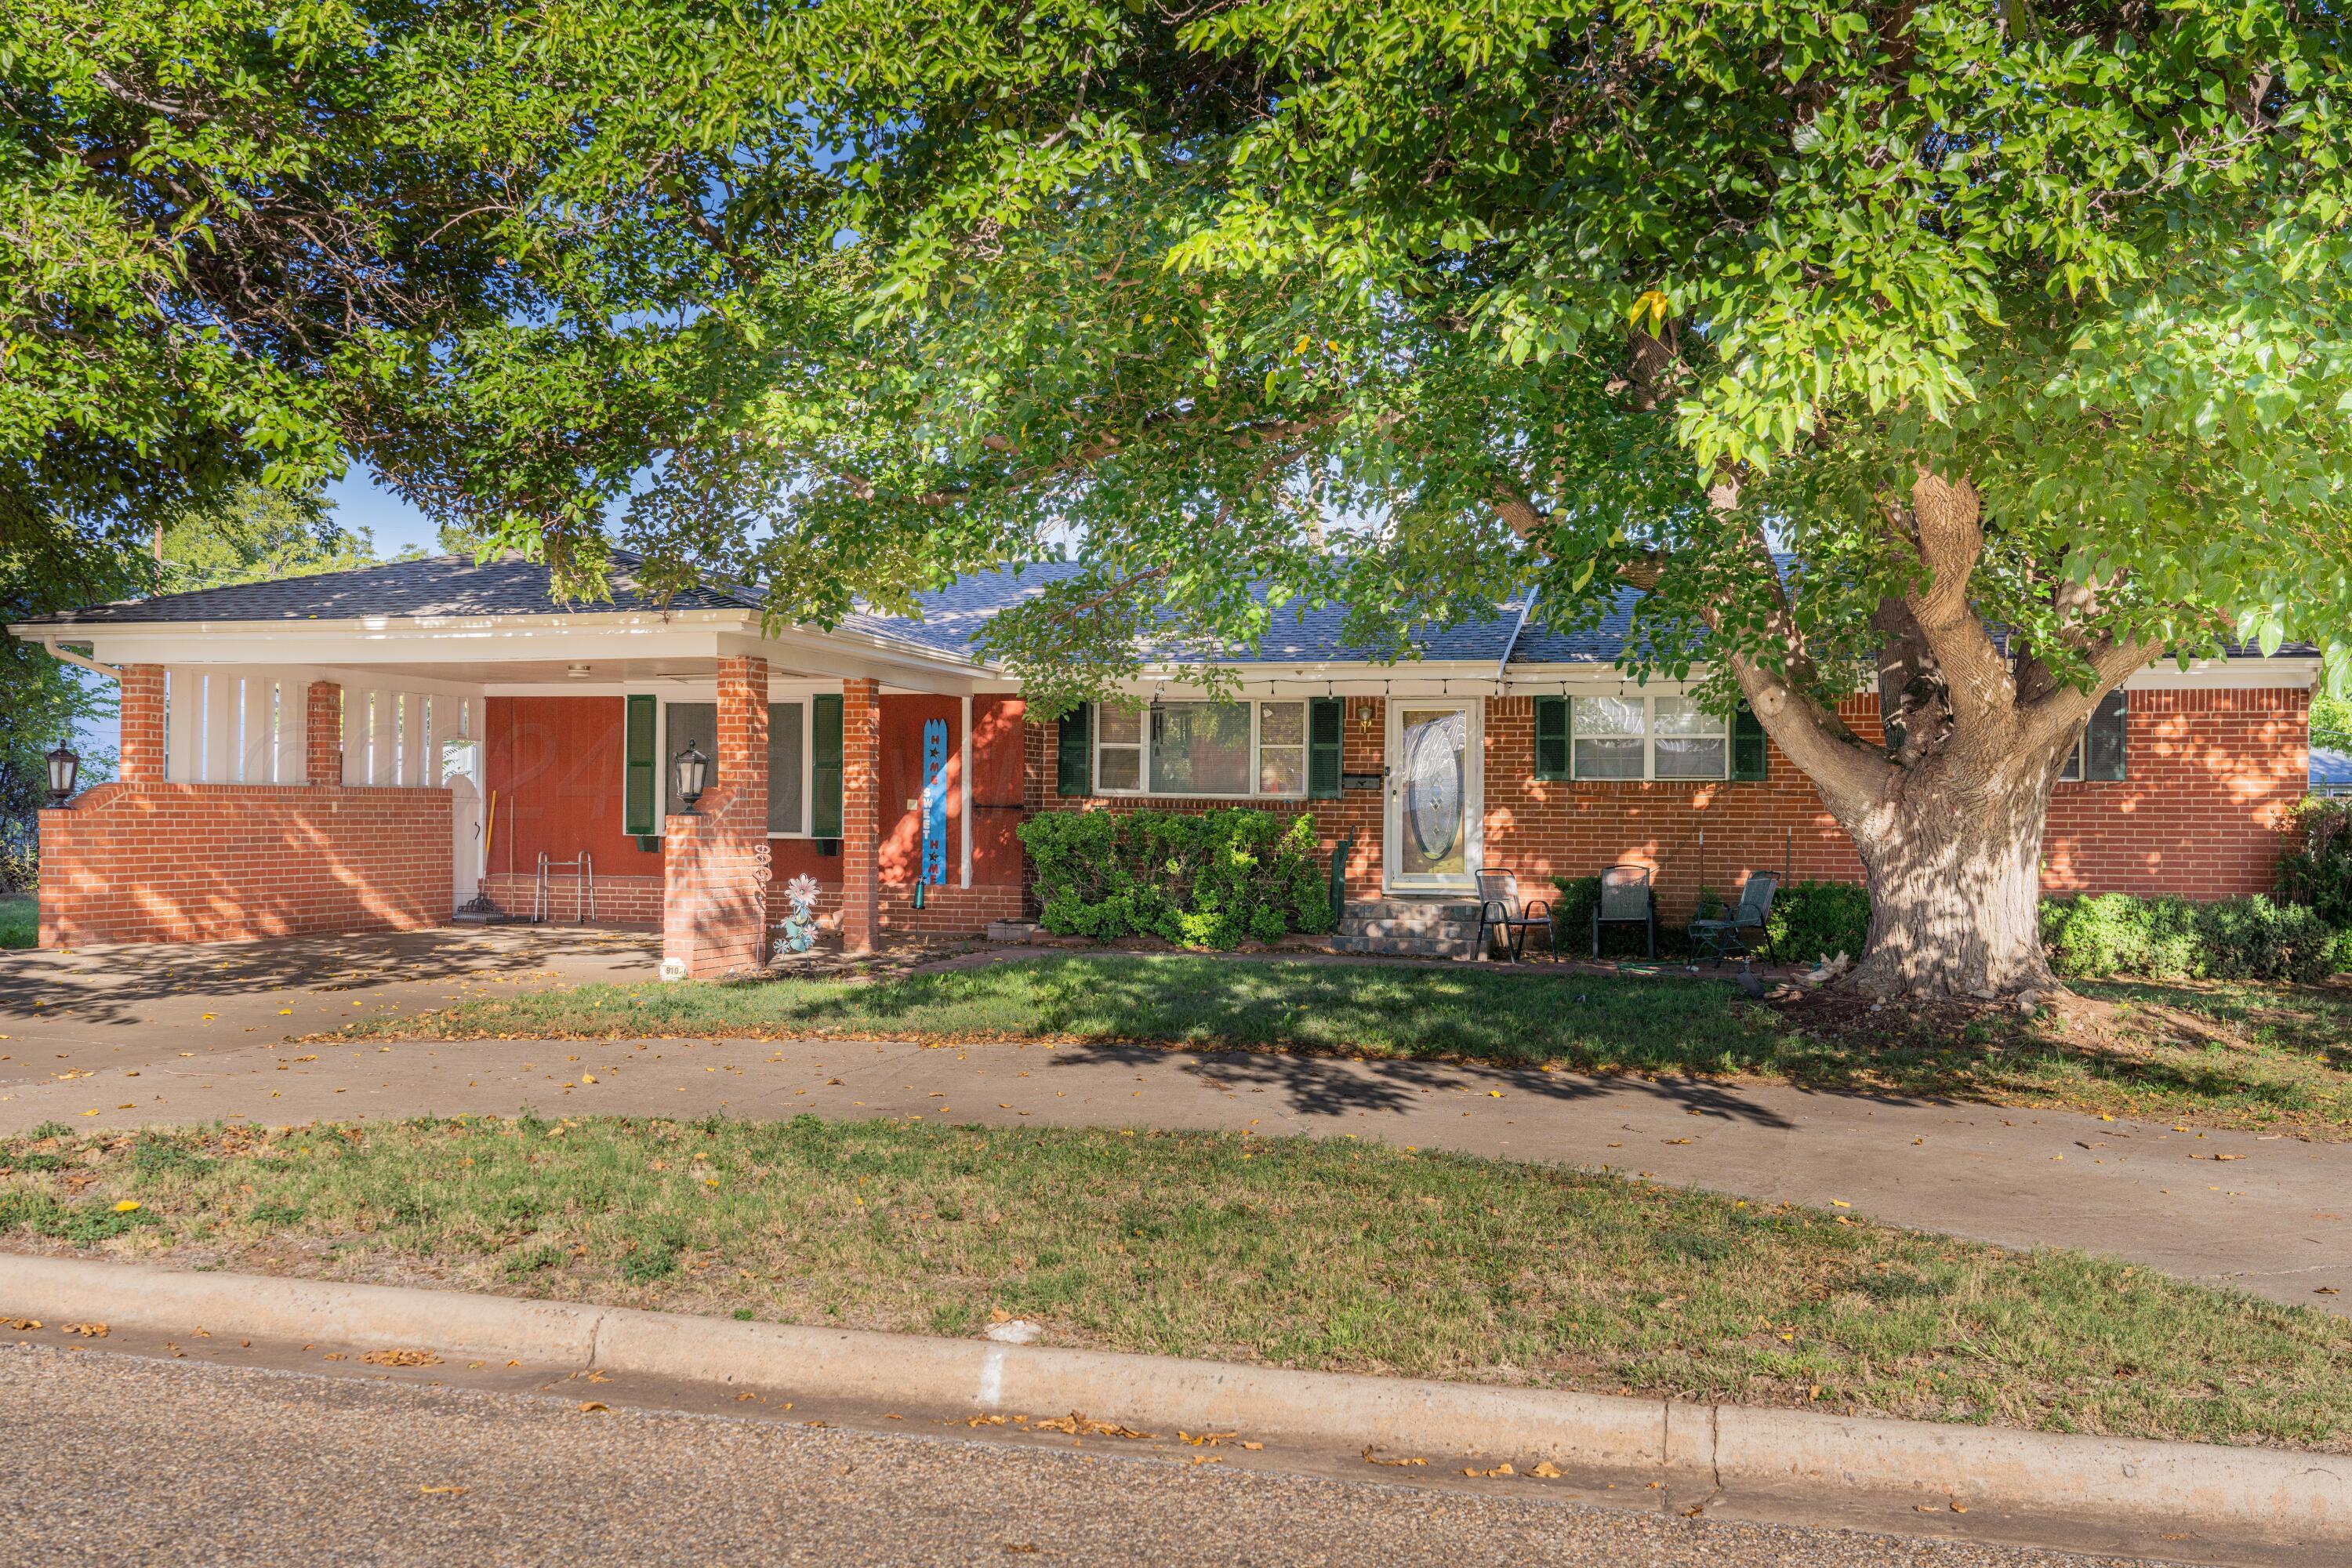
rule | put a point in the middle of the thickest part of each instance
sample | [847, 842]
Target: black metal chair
[1625, 899]
[1731, 936]
[1500, 909]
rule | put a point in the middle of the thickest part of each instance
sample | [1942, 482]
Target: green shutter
[1076, 772]
[1748, 746]
[641, 767]
[825, 747]
[1551, 737]
[1323, 729]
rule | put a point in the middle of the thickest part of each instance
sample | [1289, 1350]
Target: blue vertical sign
[934, 802]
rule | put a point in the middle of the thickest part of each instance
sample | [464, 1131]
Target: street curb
[1720, 1453]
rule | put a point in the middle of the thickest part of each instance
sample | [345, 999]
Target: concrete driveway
[129, 1005]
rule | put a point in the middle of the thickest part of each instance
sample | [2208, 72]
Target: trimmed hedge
[1207, 878]
[1814, 920]
[2171, 938]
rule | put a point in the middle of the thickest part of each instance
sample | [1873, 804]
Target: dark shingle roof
[952, 617]
[438, 585]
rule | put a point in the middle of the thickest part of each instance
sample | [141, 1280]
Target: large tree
[1985, 355]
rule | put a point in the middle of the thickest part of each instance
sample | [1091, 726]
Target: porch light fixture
[64, 768]
[692, 768]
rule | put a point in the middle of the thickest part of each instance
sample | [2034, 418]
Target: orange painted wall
[555, 762]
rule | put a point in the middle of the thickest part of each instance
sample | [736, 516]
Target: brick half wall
[194, 862]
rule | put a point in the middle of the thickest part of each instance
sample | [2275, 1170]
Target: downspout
[1503, 665]
[58, 651]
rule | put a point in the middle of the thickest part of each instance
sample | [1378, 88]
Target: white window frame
[1649, 701]
[663, 697]
[1142, 747]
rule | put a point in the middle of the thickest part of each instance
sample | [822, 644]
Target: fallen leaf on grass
[401, 1358]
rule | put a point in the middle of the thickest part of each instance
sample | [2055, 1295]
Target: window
[790, 778]
[2098, 752]
[1691, 742]
[1282, 748]
[1118, 761]
[1200, 748]
[1610, 737]
[1642, 738]
[1238, 749]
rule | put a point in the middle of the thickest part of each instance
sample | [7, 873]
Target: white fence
[225, 724]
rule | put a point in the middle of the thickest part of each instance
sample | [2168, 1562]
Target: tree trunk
[1954, 875]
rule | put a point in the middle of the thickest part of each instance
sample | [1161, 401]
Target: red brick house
[374, 748]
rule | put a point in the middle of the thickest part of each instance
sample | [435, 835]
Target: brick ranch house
[371, 748]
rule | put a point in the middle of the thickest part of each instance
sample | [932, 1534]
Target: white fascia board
[587, 637]
[2291, 673]
[863, 656]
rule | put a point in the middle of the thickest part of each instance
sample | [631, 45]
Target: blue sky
[361, 502]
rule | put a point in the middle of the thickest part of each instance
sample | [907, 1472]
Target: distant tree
[258, 535]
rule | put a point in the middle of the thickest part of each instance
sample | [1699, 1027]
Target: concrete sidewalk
[2269, 1214]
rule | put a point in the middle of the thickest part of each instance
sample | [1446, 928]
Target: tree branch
[1946, 530]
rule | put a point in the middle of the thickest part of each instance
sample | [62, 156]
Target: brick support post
[861, 814]
[322, 734]
[142, 723]
[714, 863]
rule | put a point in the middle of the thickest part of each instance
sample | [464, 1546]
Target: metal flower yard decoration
[799, 931]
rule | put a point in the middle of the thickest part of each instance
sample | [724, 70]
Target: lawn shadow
[1338, 1086]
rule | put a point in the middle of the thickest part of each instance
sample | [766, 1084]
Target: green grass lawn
[20, 921]
[1311, 1253]
[2227, 1055]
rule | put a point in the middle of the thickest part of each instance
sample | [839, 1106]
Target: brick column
[142, 724]
[861, 814]
[322, 734]
[714, 863]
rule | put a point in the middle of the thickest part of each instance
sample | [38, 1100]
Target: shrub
[1210, 879]
[2315, 864]
[2171, 938]
[1820, 920]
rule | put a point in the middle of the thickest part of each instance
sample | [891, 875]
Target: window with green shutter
[1325, 729]
[824, 768]
[1749, 753]
[1551, 737]
[1075, 769]
[641, 767]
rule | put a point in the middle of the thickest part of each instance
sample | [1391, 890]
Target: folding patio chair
[1625, 899]
[1742, 932]
[1499, 909]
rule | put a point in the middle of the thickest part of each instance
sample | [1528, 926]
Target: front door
[1432, 830]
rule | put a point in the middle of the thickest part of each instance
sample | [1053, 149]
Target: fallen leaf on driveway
[1501, 1469]
[588, 1405]
[21, 1323]
[87, 1331]
[1548, 1470]
[402, 1358]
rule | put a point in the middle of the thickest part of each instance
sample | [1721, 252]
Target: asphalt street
[114, 1458]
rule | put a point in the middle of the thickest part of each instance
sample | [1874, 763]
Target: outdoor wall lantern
[692, 768]
[64, 768]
